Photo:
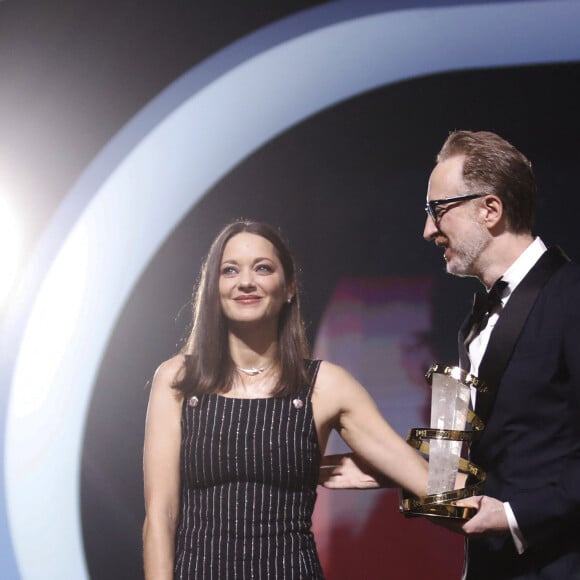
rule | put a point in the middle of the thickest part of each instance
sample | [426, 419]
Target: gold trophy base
[443, 505]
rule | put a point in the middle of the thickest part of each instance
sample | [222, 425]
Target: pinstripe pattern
[249, 470]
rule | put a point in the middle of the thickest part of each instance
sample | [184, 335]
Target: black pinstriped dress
[249, 470]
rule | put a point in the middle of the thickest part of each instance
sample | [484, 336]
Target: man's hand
[349, 472]
[490, 519]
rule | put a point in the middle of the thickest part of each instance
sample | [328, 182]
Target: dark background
[346, 187]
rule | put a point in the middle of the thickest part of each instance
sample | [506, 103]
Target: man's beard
[465, 255]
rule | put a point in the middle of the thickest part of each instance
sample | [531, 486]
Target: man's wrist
[516, 533]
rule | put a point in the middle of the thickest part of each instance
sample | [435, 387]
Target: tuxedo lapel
[461, 348]
[510, 324]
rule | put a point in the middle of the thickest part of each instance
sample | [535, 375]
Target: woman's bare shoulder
[330, 374]
[169, 371]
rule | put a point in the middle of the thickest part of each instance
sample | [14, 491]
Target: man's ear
[493, 210]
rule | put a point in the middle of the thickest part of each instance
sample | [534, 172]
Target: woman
[238, 422]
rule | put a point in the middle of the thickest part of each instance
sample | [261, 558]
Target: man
[526, 349]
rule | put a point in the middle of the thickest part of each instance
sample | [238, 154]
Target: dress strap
[312, 367]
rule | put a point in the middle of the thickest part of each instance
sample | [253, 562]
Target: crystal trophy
[443, 443]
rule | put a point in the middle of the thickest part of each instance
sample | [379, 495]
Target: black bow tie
[484, 303]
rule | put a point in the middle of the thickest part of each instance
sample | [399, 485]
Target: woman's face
[252, 285]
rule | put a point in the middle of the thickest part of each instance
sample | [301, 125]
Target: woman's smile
[251, 284]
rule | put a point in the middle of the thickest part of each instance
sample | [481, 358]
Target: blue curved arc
[218, 65]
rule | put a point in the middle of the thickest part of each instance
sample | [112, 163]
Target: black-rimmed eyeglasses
[431, 206]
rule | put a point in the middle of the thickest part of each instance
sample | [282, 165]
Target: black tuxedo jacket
[530, 447]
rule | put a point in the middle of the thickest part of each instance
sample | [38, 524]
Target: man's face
[457, 226]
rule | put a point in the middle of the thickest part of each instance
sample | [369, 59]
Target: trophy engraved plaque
[443, 443]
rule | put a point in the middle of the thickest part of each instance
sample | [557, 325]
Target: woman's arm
[348, 471]
[341, 402]
[161, 472]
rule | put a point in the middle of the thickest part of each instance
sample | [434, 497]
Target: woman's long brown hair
[208, 365]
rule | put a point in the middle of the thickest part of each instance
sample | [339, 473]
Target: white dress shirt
[477, 347]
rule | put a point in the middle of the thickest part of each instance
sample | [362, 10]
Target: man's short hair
[494, 166]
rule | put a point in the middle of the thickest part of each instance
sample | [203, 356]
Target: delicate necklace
[252, 372]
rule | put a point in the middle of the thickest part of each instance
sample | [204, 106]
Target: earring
[289, 301]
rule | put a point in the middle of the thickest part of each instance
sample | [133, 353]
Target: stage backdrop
[132, 133]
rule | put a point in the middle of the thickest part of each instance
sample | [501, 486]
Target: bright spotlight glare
[10, 249]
